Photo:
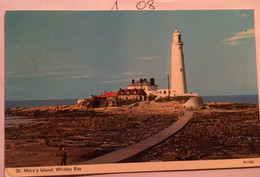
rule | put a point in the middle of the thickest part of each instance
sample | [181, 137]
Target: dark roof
[131, 92]
[139, 83]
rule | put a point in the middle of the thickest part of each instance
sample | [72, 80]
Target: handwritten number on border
[115, 6]
[150, 3]
[142, 5]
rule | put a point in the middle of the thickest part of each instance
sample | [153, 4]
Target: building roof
[108, 94]
[131, 92]
[141, 83]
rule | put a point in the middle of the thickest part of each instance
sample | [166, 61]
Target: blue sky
[72, 54]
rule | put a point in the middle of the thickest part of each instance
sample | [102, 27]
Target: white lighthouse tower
[178, 79]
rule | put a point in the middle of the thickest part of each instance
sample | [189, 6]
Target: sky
[73, 54]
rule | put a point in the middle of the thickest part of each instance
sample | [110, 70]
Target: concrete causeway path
[124, 153]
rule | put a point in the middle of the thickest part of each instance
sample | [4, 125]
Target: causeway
[127, 152]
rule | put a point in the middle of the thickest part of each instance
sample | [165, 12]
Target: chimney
[133, 81]
[152, 81]
[141, 80]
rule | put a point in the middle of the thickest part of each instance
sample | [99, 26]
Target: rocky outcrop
[72, 110]
[194, 102]
[212, 133]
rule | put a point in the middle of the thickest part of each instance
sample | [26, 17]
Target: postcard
[130, 91]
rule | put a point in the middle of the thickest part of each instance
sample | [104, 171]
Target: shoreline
[78, 109]
[250, 99]
[86, 136]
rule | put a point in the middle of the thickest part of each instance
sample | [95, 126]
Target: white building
[149, 87]
[160, 93]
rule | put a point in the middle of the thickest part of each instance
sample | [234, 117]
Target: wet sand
[215, 132]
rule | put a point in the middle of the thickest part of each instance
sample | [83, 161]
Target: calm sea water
[33, 103]
[253, 99]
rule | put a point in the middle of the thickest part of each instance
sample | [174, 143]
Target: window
[164, 92]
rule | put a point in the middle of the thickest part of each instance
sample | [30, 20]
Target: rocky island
[216, 131]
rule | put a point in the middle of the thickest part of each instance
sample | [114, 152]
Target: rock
[194, 102]
[42, 111]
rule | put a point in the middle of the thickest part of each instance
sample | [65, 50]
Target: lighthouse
[178, 78]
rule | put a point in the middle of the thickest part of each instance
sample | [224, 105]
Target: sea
[36, 103]
[253, 99]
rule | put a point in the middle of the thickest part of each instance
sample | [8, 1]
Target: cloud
[46, 74]
[17, 88]
[72, 67]
[148, 58]
[238, 37]
[241, 15]
[61, 67]
[81, 77]
[132, 73]
[114, 81]
[10, 73]
[15, 75]
[69, 71]
[64, 74]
